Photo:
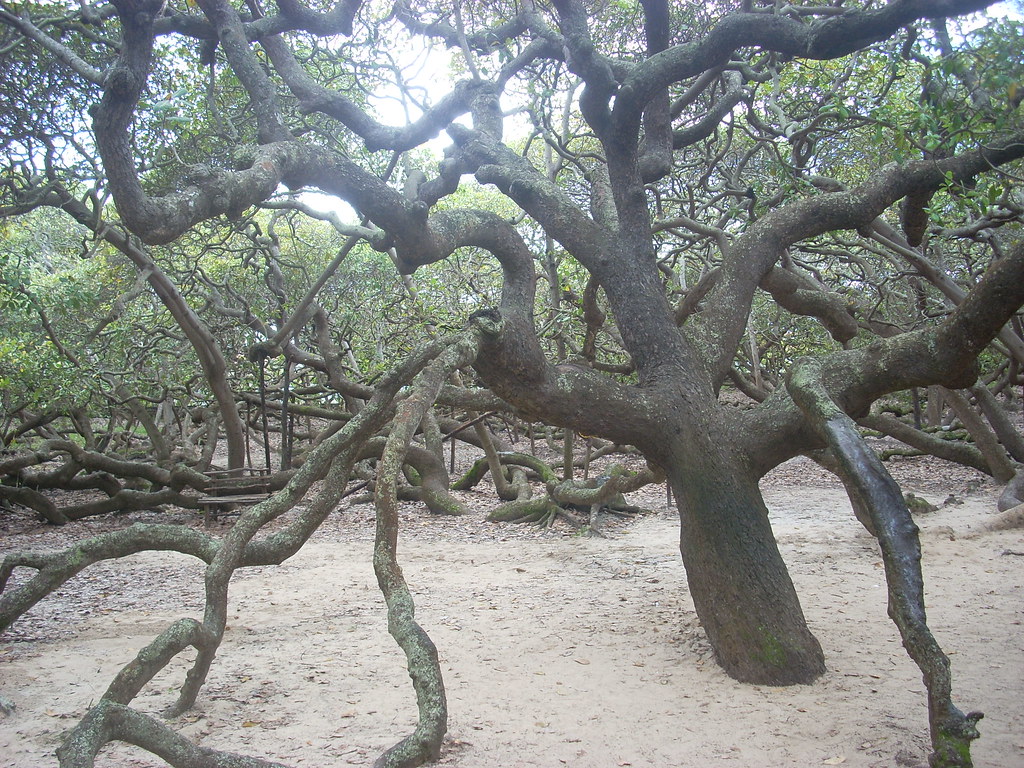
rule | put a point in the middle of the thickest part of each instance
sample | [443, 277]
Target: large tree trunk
[740, 587]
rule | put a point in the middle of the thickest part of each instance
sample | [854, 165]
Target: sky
[1007, 9]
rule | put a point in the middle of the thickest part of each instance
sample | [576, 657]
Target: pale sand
[557, 651]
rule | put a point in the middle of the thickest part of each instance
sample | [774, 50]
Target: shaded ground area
[557, 649]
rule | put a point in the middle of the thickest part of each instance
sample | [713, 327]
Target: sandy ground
[557, 650]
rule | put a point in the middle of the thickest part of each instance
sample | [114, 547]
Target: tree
[681, 163]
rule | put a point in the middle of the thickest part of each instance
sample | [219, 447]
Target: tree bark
[864, 474]
[985, 439]
[1008, 435]
[424, 744]
[740, 587]
[109, 721]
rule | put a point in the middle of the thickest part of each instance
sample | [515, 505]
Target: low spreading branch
[109, 721]
[424, 744]
[877, 493]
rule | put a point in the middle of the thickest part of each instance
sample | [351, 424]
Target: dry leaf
[581, 661]
[249, 724]
[834, 760]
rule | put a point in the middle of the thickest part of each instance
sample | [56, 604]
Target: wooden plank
[239, 489]
[247, 498]
[210, 504]
[233, 473]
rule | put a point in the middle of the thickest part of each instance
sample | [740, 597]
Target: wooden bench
[228, 491]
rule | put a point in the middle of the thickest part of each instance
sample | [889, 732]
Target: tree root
[1007, 520]
[1013, 493]
[540, 510]
[565, 497]
[431, 476]
[112, 476]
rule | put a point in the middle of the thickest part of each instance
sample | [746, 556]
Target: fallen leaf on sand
[834, 760]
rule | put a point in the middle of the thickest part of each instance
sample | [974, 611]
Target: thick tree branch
[483, 40]
[827, 38]
[61, 52]
[721, 326]
[951, 450]
[802, 297]
[424, 744]
[877, 493]
[855, 378]
[530, 189]
[585, 61]
[235, 44]
[54, 569]
[656, 152]
[109, 721]
[337, 20]
[314, 97]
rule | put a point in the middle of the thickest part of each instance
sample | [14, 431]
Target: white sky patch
[321, 201]
[1007, 10]
[428, 71]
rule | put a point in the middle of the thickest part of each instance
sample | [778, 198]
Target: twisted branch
[867, 479]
